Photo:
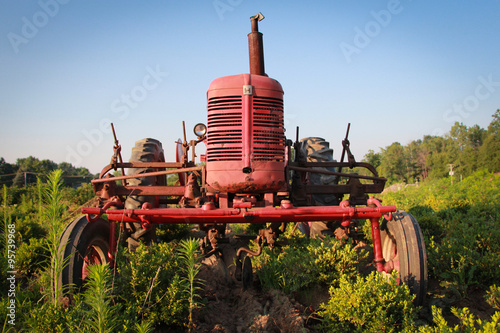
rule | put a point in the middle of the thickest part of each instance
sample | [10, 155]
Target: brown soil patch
[230, 308]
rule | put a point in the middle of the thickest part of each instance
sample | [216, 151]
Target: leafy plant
[304, 262]
[461, 227]
[468, 323]
[100, 315]
[148, 284]
[190, 254]
[493, 296]
[334, 258]
[372, 304]
[288, 269]
[53, 212]
[32, 257]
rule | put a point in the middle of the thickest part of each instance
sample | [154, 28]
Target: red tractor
[252, 174]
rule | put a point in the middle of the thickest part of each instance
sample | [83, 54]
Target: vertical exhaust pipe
[256, 47]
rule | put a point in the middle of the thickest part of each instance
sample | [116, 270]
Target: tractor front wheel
[403, 249]
[83, 243]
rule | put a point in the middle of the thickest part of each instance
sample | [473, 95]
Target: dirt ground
[230, 308]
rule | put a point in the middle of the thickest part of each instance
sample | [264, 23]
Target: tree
[464, 148]
[28, 169]
[428, 155]
[6, 172]
[490, 150]
[373, 158]
[74, 176]
[393, 164]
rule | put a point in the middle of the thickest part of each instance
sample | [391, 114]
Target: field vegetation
[160, 288]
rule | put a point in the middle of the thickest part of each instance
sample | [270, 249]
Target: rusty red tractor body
[252, 174]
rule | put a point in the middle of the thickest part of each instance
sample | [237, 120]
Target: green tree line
[26, 170]
[464, 150]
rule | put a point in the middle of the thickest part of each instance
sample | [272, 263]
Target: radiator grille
[224, 137]
[225, 129]
[268, 133]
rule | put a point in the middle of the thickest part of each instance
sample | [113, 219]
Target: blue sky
[396, 70]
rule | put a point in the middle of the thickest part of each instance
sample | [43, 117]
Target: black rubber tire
[316, 149]
[145, 150]
[403, 243]
[79, 240]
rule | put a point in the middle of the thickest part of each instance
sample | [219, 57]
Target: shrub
[461, 227]
[28, 227]
[304, 262]
[81, 194]
[468, 252]
[372, 304]
[288, 269]
[149, 284]
[493, 296]
[468, 323]
[333, 258]
[32, 257]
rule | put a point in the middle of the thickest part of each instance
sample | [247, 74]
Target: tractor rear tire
[82, 243]
[145, 150]
[403, 244]
[318, 150]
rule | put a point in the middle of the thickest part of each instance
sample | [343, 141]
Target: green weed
[53, 213]
[190, 256]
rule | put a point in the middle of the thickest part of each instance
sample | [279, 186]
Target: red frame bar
[285, 213]
[209, 214]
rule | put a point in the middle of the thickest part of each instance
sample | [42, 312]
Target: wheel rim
[391, 255]
[95, 256]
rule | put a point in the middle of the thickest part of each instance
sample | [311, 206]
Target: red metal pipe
[256, 47]
[209, 214]
[112, 245]
[377, 244]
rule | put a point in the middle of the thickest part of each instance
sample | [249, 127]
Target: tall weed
[190, 256]
[53, 214]
[100, 314]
